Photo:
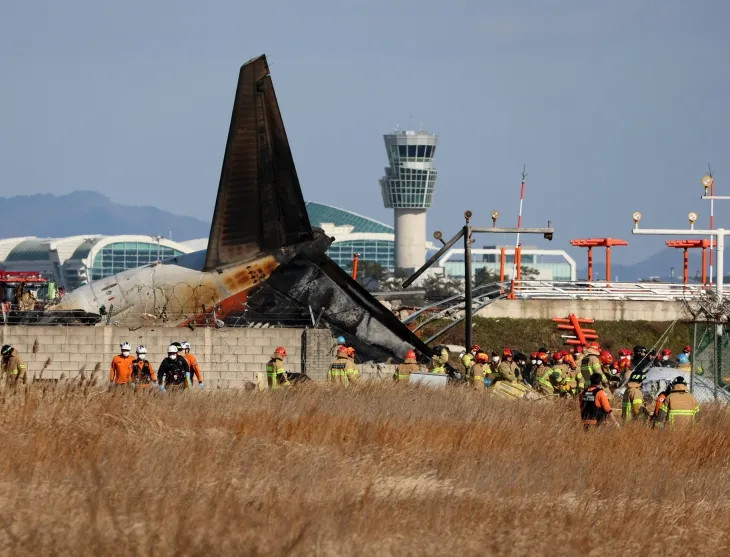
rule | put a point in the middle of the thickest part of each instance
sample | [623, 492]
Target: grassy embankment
[528, 335]
[379, 469]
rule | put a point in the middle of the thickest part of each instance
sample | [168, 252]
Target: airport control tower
[408, 187]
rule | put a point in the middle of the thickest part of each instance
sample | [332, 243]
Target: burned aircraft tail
[259, 207]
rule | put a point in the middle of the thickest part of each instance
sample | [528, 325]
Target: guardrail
[637, 291]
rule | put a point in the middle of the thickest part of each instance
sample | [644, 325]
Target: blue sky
[614, 106]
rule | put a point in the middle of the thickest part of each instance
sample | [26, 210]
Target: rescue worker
[467, 360]
[476, 373]
[192, 361]
[569, 360]
[521, 361]
[275, 371]
[13, 367]
[404, 370]
[173, 371]
[680, 408]
[352, 372]
[543, 383]
[439, 360]
[181, 356]
[337, 373]
[624, 363]
[640, 360]
[340, 342]
[578, 357]
[665, 359]
[594, 405]
[530, 371]
[565, 380]
[494, 364]
[683, 362]
[661, 397]
[475, 349]
[121, 368]
[610, 374]
[507, 368]
[632, 408]
[143, 376]
[591, 362]
[653, 362]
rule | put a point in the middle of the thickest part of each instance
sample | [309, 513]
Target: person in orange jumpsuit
[121, 368]
[192, 364]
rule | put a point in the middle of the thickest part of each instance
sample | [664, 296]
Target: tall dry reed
[373, 470]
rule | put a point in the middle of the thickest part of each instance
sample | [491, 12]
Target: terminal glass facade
[120, 256]
[379, 251]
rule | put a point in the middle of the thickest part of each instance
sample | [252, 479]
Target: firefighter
[624, 363]
[192, 361]
[475, 349]
[565, 380]
[594, 405]
[494, 364]
[640, 361]
[121, 368]
[633, 401]
[173, 371]
[683, 362]
[578, 357]
[661, 397]
[680, 408]
[476, 373]
[529, 375]
[609, 370]
[404, 370]
[591, 362]
[275, 372]
[340, 342]
[181, 357]
[439, 360]
[143, 376]
[467, 360]
[542, 382]
[352, 372]
[665, 358]
[13, 367]
[521, 362]
[507, 368]
[337, 373]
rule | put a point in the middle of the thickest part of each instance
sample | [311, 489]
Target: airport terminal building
[77, 260]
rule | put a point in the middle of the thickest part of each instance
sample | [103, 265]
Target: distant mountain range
[88, 212]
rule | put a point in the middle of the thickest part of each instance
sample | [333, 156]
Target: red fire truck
[25, 291]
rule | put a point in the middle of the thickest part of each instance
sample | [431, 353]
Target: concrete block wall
[600, 310]
[228, 357]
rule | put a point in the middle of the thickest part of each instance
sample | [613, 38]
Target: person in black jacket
[174, 371]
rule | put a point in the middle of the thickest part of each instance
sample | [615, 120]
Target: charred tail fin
[260, 207]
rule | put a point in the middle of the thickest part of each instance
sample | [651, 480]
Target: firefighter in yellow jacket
[633, 401]
[476, 373]
[404, 370]
[337, 373]
[13, 366]
[680, 408]
[275, 372]
[507, 368]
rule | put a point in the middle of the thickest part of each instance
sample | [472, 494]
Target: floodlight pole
[719, 233]
[466, 232]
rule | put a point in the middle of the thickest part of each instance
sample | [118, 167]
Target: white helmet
[125, 346]
[172, 349]
[141, 349]
[185, 344]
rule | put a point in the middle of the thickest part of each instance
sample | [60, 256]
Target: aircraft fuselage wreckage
[264, 263]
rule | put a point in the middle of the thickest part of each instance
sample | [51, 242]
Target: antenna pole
[516, 258]
[712, 216]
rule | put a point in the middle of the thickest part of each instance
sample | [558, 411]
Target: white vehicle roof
[658, 378]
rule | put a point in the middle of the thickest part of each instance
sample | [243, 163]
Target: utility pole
[466, 232]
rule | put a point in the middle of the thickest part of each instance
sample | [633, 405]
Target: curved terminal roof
[30, 249]
[320, 213]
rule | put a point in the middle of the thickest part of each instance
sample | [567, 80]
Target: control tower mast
[408, 187]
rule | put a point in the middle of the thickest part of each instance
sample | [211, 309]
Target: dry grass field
[373, 470]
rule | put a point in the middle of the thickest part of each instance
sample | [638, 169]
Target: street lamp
[719, 233]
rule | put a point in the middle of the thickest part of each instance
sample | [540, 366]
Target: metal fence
[711, 353]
